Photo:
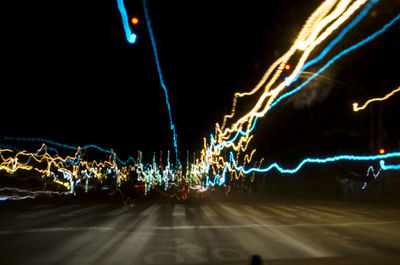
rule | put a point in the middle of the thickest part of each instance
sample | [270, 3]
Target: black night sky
[69, 75]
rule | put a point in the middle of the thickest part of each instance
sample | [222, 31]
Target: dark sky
[72, 77]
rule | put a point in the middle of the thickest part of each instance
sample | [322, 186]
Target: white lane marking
[190, 227]
[207, 210]
[179, 210]
[82, 211]
[60, 229]
[279, 212]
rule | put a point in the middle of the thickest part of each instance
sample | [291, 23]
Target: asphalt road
[212, 231]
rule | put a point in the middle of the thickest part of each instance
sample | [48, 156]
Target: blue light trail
[153, 43]
[220, 179]
[130, 37]
[388, 167]
[372, 171]
[323, 161]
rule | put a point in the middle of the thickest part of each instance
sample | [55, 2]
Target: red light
[135, 20]
[287, 67]
[382, 151]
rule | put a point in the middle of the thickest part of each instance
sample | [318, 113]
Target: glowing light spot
[382, 151]
[287, 67]
[135, 20]
[132, 38]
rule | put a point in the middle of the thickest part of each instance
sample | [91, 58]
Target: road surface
[212, 231]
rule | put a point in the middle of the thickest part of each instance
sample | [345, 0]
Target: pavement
[209, 231]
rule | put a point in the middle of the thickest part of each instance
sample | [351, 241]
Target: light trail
[322, 161]
[130, 37]
[357, 108]
[219, 179]
[66, 146]
[388, 167]
[372, 171]
[32, 194]
[153, 43]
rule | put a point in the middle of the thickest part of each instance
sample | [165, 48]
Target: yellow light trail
[357, 108]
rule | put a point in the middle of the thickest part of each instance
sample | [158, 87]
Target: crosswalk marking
[179, 210]
[207, 210]
[279, 212]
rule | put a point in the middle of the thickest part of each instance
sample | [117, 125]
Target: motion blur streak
[70, 147]
[153, 43]
[357, 108]
[388, 167]
[323, 161]
[130, 37]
